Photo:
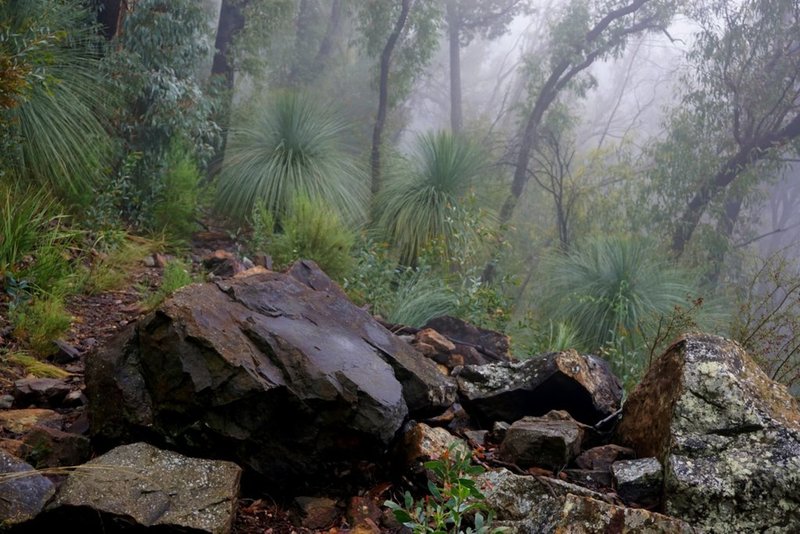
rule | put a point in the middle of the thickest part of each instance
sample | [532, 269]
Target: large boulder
[727, 436]
[139, 485]
[284, 378]
[507, 391]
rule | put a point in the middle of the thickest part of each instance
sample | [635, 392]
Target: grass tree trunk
[383, 94]
[454, 34]
[110, 15]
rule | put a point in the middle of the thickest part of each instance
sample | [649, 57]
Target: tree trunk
[110, 16]
[383, 94]
[231, 22]
[729, 171]
[454, 32]
[326, 46]
[305, 16]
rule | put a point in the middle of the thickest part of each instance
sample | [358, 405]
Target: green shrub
[454, 505]
[175, 276]
[419, 297]
[174, 213]
[41, 321]
[315, 231]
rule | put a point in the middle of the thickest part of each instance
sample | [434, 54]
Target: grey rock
[21, 497]
[286, 379]
[582, 385]
[527, 505]
[542, 442]
[6, 401]
[46, 392]
[639, 481]
[727, 436]
[140, 485]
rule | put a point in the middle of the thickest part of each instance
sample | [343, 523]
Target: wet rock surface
[288, 380]
[728, 437]
[582, 385]
[138, 485]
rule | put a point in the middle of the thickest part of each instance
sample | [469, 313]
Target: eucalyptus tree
[741, 114]
[465, 20]
[586, 31]
[403, 35]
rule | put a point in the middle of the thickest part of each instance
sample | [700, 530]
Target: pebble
[6, 401]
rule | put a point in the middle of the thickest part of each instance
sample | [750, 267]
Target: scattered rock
[66, 352]
[582, 385]
[422, 443]
[594, 479]
[639, 481]
[434, 339]
[477, 345]
[542, 442]
[21, 421]
[6, 402]
[364, 514]
[584, 515]
[23, 497]
[48, 392]
[317, 512]
[74, 398]
[289, 380]
[499, 430]
[139, 485]
[727, 436]
[222, 264]
[476, 438]
[49, 447]
[603, 456]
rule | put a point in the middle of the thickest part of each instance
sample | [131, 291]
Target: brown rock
[425, 349]
[601, 458]
[48, 447]
[364, 514]
[431, 337]
[223, 264]
[422, 443]
[48, 392]
[21, 421]
[317, 512]
[584, 515]
[478, 345]
[541, 441]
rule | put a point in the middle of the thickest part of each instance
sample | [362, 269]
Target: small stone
[149, 261]
[595, 479]
[499, 429]
[6, 401]
[422, 443]
[431, 337]
[317, 512]
[425, 349]
[66, 352]
[478, 437]
[638, 481]
[542, 442]
[602, 457]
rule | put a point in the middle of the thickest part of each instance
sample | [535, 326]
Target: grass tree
[54, 119]
[294, 146]
[422, 203]
[612, 291]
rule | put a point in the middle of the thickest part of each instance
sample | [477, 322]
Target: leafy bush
[174, 212]
[421, 204]
[293, 147]
[452, 503]
[313, 230]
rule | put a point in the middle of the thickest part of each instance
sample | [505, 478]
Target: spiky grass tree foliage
[421, 202]
[608, 288]
[295, 146]
[58, 116]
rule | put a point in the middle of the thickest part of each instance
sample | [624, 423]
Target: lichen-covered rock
[288, 380]
[526, 505]
[24, 495]
[582, 385]
[139, 485]
[541, 441]
[638, 481]
[728, 437]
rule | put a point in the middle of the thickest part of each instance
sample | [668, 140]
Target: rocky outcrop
[507, 391]
[139, 485]
[727, 436]
[288, 380]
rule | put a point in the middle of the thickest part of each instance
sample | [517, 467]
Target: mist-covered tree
[403, 36]
[586, 31]
[740, 115]
[465, 20]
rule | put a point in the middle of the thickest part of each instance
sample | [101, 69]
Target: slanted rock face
[266, 370]
[507, 391]
[728, 437]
